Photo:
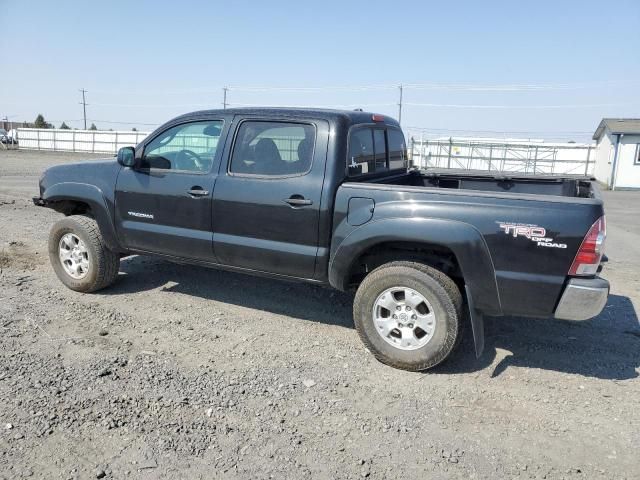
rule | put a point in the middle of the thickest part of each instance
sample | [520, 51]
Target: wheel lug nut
[398, 307]
[413, 317]
[395, 316]
[408, 308]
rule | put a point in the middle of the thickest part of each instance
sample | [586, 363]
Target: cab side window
[398, 157]
[188, 147]
[273, 149]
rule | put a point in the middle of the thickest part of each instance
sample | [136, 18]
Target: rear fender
[464, 240]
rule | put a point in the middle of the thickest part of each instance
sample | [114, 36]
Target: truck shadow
[297, 300]
[607, 347]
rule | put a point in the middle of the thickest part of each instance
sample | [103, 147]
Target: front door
[266, 202]
[164, 204]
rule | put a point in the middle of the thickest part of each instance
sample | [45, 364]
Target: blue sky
[543, 68]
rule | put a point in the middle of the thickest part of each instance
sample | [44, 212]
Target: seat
[305, 151]
[267, 157]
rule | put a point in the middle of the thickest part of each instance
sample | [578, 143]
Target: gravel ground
[183, 372]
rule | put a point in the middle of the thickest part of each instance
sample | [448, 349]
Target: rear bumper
[582, 299]
[38, 201]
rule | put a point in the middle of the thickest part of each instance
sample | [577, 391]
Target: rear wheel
[79, 256]
[408, 314]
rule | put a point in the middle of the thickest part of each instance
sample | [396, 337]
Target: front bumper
[582, 299]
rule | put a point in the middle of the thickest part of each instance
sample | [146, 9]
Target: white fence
[98, 141]
[527, 157]
[518, 156]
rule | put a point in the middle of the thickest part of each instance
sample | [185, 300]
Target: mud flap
[477, 324]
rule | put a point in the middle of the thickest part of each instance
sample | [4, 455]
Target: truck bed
[525, 230]
[565, 186]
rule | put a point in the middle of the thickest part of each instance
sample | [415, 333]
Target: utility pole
[84, 107]
[400, 105]
[224, 97]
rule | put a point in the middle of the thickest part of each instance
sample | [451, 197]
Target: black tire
[103, 263]
[441, 292]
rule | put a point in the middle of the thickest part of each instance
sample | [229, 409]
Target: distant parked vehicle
[8, 138]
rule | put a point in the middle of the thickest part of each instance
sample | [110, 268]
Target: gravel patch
[184, 372]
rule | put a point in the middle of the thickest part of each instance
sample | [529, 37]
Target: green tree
[93, 127]
[64, 126]
[41, 122]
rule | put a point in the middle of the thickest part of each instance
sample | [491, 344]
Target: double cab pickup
[328, 197]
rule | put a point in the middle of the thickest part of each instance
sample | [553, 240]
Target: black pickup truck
[327, 196]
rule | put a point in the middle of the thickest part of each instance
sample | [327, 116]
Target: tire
[442, 299]
[100, 264]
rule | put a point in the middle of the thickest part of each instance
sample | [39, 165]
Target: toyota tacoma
[328, 197]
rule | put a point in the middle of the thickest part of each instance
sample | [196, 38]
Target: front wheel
[79, 256]
[408, 315]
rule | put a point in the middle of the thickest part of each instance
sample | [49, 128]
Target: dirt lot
[183, 372]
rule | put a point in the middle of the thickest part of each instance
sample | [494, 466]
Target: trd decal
[532, 232]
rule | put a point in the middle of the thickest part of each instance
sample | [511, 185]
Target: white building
[618, 153]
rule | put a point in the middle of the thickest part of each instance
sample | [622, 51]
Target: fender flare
[92, 196]
[463, 239]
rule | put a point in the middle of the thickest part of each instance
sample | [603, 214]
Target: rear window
[375, 150]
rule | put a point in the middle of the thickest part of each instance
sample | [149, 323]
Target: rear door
[267, 197]
[164, 206]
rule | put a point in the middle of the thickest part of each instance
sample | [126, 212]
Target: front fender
[92, 196]
[464, 240]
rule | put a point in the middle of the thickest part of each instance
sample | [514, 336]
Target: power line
[124, 123]
[519, 87]
[564, 132]
[285, 105]
[449, 105]
[148, 105]
[513, 87]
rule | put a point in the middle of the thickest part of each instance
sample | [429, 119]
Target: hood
[100, 173]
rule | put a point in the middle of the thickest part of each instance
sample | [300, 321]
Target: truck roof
[350, 116]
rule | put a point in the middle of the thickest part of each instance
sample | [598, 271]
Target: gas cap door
[360, 210]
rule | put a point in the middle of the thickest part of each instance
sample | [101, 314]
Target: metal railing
[94, 141]
[526, 157]
[102, 141]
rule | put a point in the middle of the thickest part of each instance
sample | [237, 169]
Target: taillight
[588, 257]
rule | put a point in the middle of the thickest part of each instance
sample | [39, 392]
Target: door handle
[298, 201]
[197, 192]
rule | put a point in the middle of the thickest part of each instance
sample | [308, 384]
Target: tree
[40, 122]
[64, 126]
[93, 127]
[134, 129]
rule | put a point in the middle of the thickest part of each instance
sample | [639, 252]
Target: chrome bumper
[582, 299]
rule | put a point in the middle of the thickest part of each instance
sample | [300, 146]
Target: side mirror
[127, 157]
